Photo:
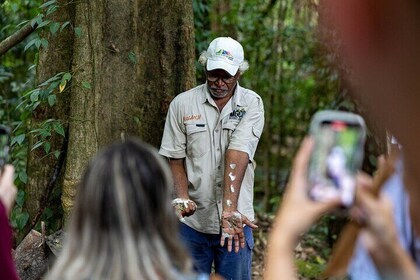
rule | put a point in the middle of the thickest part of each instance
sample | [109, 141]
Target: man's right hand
[184, 207]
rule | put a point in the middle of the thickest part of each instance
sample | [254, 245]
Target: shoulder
[250, 98]
[190, 95]
[249, 95]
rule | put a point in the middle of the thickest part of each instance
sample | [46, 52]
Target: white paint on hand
[229, 202]
[226, 235]
[232, 189]
[232, 165]
[232, 177]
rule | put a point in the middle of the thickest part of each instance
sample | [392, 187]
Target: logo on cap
[225, 53]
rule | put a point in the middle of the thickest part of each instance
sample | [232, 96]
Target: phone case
[333, 163]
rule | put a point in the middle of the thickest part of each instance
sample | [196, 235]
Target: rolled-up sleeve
[248, 132]
[174, 139]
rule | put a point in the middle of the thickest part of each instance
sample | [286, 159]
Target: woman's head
[123, 225]
[125, 188]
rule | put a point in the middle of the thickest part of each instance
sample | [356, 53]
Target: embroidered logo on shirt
[192, 117]
[237, 114]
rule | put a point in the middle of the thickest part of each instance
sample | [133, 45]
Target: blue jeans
[205, 249]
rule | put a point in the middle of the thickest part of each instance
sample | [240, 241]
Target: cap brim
[218, 64]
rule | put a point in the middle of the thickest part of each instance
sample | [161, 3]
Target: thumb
[7, 175]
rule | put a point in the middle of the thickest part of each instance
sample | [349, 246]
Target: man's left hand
[233, 229]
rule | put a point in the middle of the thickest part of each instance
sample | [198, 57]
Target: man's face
[220, 83]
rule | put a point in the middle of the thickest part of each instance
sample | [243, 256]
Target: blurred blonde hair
[123, 225]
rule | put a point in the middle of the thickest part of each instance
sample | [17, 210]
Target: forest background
[91, 70]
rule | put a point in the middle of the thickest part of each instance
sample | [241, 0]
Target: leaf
[52, 99]
[54, 27]
[44, 43]
[86, 85]
[34, 96]
[52, 9]
[22, 220]
[62, 86]
[57, 153]
[47, 147]
[37, 145]
[20, 197]
[23, 177]
[18, 139]
[78, 31]
[48, 3]
[42, 23]
[64, 25]
[29, 44]
[67, 76]
[38, 43]
[22, 23]
[58, 127]
[132, 57]
[137, 120]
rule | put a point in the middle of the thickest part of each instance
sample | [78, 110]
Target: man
[210, 137]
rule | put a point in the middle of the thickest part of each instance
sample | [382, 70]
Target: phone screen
[4, 146]
[335, 160]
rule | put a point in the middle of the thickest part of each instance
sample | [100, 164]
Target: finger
[302, 157]
[247, 222]
[241, 237]
[229, 244]
[222, 239]
[236, 240]
[7, 175]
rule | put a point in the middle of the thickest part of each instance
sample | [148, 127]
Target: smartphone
[4, 145]
[337, 155]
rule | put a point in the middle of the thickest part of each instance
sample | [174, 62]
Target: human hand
[8, 190]
[184, 207]
[298, 212]
[233, 229]
[379, 234]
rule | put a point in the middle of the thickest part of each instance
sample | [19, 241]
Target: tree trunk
[127, 63]
[131, 59]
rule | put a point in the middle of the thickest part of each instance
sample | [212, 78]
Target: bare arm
[232, 221]
[235, 166]
[296, 214]
[182, 203]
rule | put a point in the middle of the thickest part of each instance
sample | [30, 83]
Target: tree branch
[16, 37]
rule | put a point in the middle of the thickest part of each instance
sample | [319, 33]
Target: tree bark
[16, 37]
[131, 59]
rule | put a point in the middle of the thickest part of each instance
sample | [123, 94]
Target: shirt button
[218, 149]
[219, 202]
[219, 185]
[219, 167]
[217, 130]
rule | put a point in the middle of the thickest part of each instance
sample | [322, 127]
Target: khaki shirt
[197, 131]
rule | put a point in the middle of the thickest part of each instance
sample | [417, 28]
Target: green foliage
[16, 78]
[309, 270]
[19, 98]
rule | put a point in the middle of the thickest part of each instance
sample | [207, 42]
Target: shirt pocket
[229, 127]
[198, 140]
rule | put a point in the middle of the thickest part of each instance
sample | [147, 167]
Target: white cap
[225, 53]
